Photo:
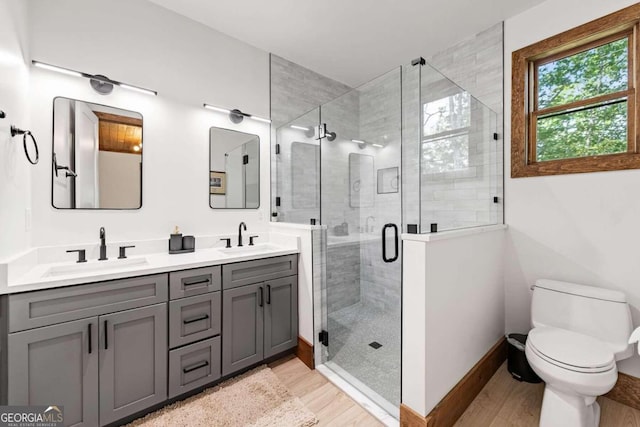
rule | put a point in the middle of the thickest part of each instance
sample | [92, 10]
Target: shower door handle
[384, 242]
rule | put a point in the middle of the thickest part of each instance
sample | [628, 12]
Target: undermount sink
[94, 266]
[249, 250]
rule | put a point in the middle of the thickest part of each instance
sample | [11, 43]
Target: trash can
[517, 363]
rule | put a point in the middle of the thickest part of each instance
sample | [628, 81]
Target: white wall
[188, 64]
[581, 227]
[305, 275]
[453, 309]
[14, 90]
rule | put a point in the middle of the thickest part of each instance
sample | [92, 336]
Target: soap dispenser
[175, 240]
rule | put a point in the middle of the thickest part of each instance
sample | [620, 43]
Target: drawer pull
[89, 338]
[195, 367]
[198, 282]
[195, 319]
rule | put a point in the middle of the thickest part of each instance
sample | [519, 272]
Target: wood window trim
[593, 33]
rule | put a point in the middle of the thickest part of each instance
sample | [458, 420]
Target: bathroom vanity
[110, 349]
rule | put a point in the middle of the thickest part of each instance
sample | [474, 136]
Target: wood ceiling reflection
[120, 134]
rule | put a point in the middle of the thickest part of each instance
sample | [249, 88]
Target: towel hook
[16, 131]
[2, 114]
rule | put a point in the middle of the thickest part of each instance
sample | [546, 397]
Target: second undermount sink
[249, 250]
[94, 266]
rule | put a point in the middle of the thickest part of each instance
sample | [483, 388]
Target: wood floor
[507, 402]
[329, 403]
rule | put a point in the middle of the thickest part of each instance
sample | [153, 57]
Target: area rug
[254, 399]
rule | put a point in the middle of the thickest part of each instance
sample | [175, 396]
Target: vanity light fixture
[101, 84]
[235, 115]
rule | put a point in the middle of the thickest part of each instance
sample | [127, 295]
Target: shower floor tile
[351, 331]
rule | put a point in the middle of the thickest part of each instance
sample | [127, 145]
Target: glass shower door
[297, 160]
[360, 147]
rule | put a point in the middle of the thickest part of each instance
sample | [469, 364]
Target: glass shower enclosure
[339, 165]
[401, 153]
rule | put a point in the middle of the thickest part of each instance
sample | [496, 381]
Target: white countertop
[30, 275]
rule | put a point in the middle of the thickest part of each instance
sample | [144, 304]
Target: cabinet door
[57, 365]
[242, 327]
[133, 361]
[280, 315]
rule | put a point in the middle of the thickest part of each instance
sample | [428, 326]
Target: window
[574, 100]
[446, 125]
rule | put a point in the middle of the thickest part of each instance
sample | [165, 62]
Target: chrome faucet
[366, 224]
[240, 227]
[103, 245]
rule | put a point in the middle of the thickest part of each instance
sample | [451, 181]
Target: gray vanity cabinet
[57, 365]
[242, 327]
[259, 310]
[280, 315]
[133, 361]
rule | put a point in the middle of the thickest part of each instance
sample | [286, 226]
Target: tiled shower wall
[295, 91]
[465, 198]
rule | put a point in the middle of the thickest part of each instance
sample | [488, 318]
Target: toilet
[579, 333]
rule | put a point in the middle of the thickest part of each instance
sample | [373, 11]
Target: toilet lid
[571, 350]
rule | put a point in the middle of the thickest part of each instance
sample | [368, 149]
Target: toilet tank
[600, 313]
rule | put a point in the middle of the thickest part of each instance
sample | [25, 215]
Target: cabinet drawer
[249, 272]
[193, 366]
[42, 308]
[188, 283]
[194, 318]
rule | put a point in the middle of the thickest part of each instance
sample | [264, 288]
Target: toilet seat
[571, 350]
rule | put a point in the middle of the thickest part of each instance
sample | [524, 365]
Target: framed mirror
[234, 169]
[97, 156]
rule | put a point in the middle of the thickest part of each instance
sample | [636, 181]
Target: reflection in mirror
[361, 181]
[97, 156]
[234, 165]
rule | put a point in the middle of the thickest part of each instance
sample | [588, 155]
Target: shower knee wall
[453, 309]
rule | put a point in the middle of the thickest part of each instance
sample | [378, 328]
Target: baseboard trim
[304, 351]
[410, 418]
[626, 391]
[453, 405]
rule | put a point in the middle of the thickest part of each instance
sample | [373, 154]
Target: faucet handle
[123, 251]
[82, 254]
[251, 239]
[228, 240]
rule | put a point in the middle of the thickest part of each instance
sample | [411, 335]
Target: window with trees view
[574, 100]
